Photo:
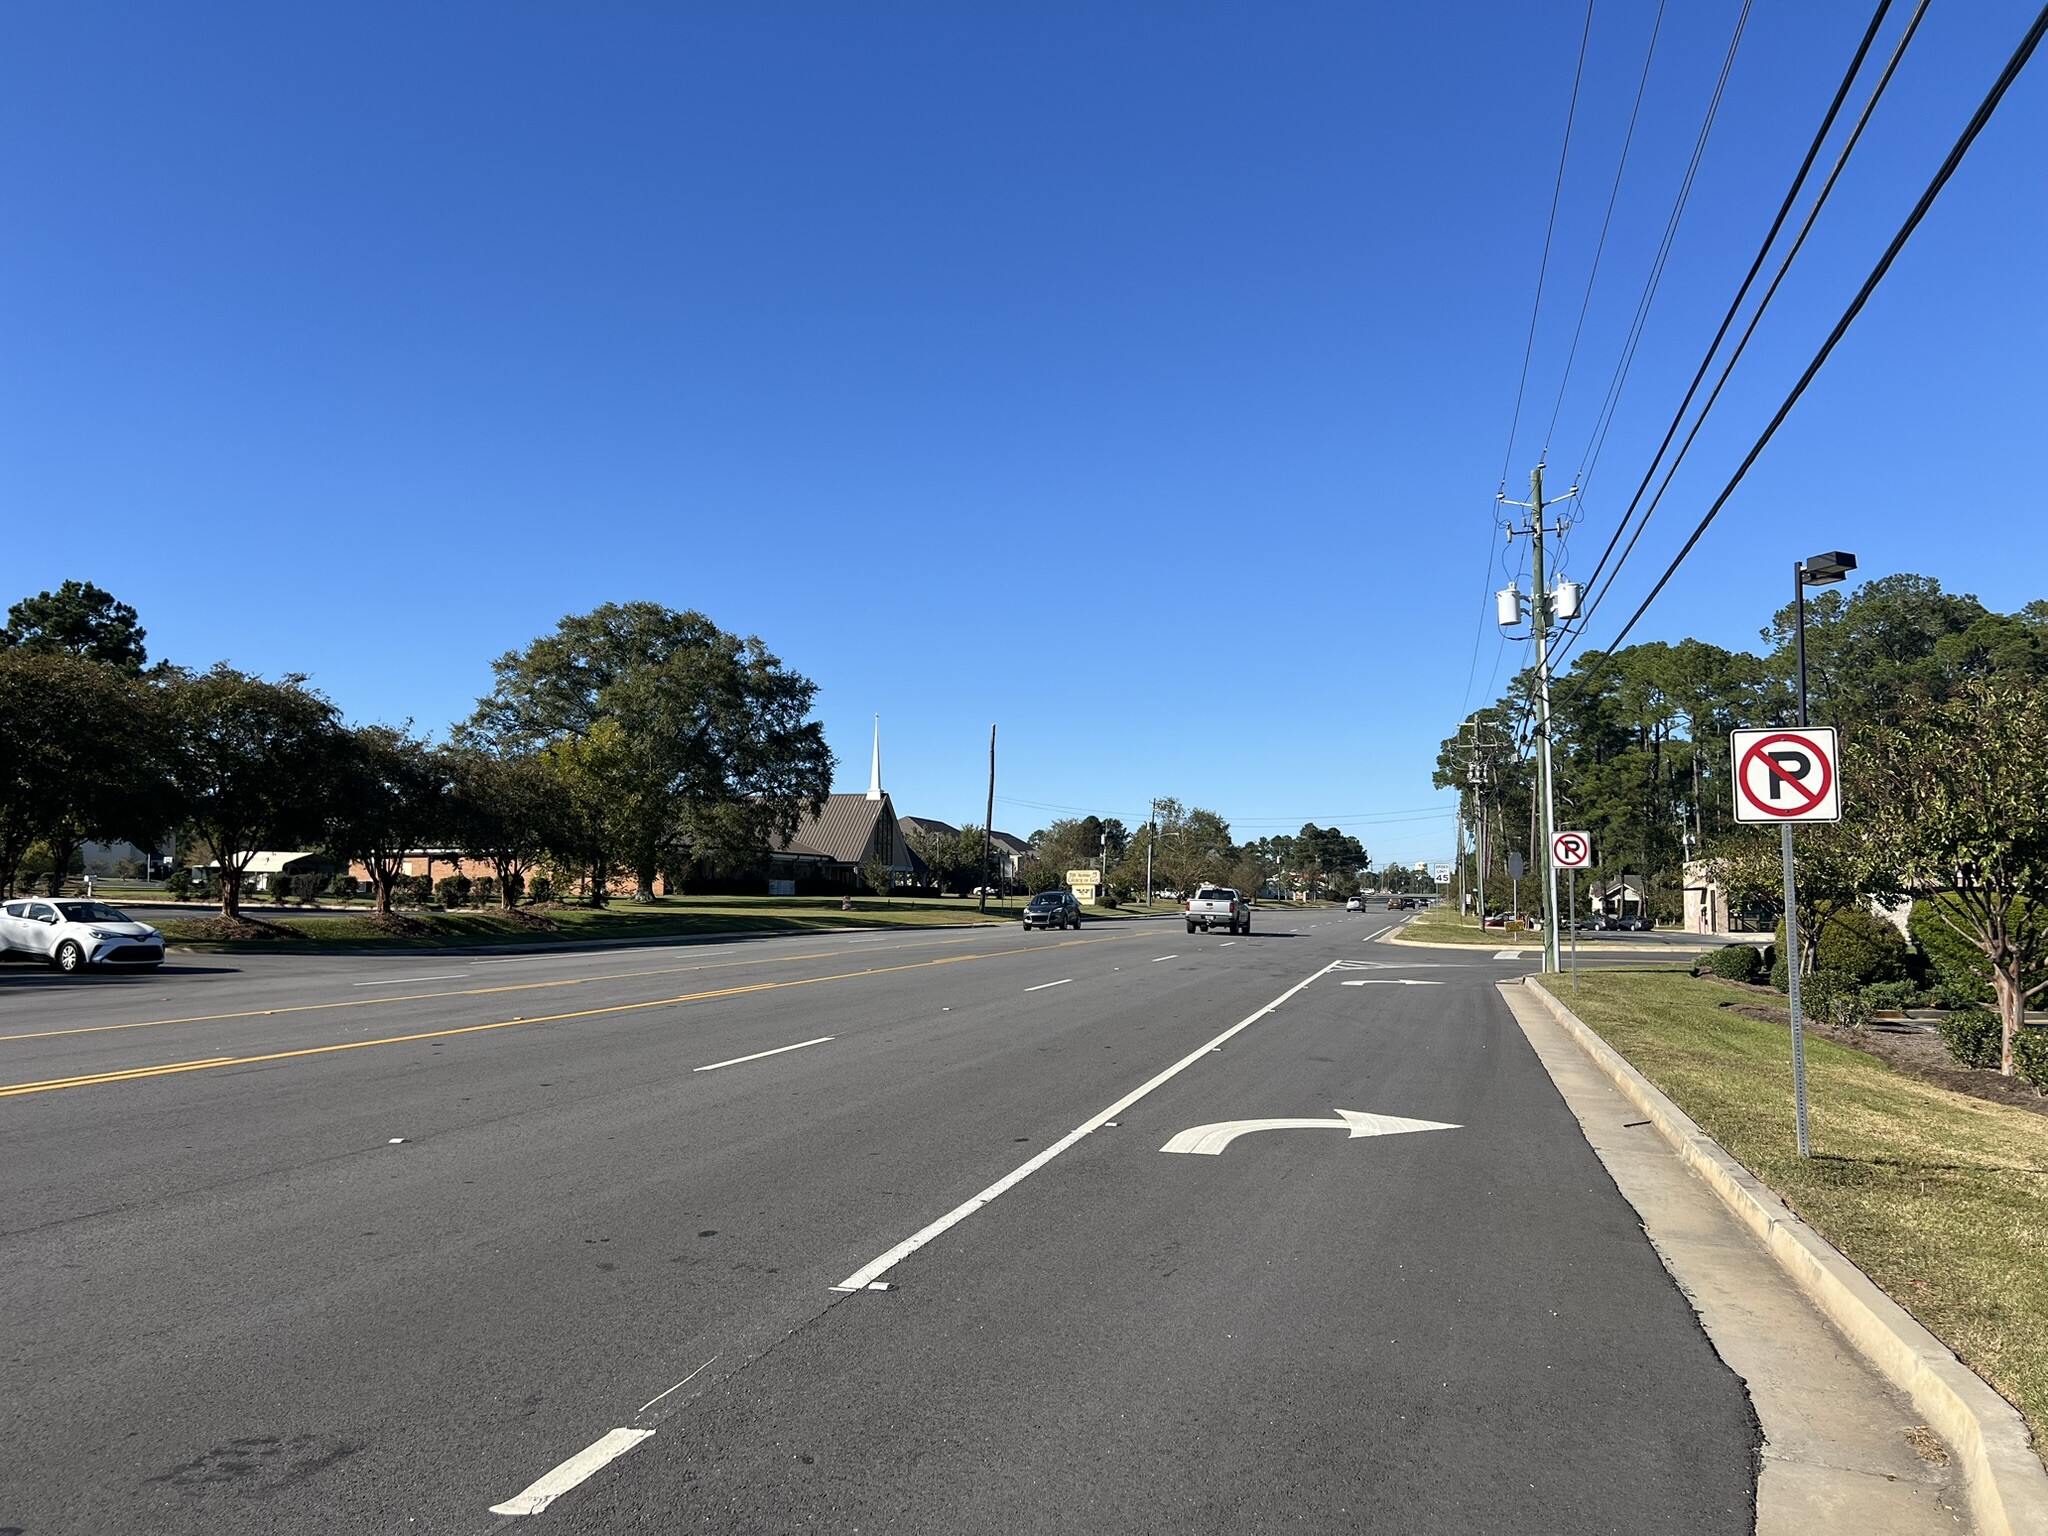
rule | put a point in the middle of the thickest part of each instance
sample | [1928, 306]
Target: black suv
[1052, 909]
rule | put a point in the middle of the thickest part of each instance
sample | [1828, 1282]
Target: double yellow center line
[214, 1063]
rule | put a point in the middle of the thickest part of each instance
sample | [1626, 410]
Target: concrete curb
[1534, 941]
[2008, 1487]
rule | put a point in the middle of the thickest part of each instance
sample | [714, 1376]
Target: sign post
[1515, 868]
[1572, 852]
[1788, 777]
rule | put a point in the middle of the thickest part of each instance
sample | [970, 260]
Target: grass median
[1942, 1199]
[679, 917]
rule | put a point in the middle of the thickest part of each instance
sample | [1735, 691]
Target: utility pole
[988, 821]
[1544, 605]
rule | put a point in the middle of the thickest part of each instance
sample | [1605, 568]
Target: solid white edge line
[399, 981]
[538, 1495]
[714, 1066]
[876, 1268]
[1044, 984]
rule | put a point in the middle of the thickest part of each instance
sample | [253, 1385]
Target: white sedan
[72, 935]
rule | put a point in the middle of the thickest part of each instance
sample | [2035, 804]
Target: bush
[1959, 967]
[452, 890]
[179, 885]
[540, 888]
[1892, 994]
[306, 887]
[1736, 962]
[485, 892]
[1834, 997]
[1858, 944]
[2030, 1055]
[343, 885]
[1973, 1036]
[411, 891]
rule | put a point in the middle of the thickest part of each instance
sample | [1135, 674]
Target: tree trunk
[385, 880]
[61, 850]
[2012, 1010]
[230, 889]
[643, 885]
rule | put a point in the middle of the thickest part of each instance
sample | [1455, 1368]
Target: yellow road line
[129, 1074]
[521, 986]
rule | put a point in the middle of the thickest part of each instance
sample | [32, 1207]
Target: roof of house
[1010, 841]
[274, 862]
[843, 829]
[914, 825]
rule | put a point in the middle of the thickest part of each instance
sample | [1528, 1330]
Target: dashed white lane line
[1044, 984]
[1157, 958]
[396, 981]
[1226, 944]
[537, 1496]
[759, 1054]
[1507, 954]
[875, 1268]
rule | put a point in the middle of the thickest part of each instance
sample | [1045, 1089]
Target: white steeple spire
[875, 775]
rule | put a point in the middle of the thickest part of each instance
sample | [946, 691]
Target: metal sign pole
[1792, 991]
[1574, 883]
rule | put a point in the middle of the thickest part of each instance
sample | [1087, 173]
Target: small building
[267, 867]
[1012, 855]
[1618, 898]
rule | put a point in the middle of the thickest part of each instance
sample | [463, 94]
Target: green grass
[1441, 925]
[1940, 1198]
[668, 918]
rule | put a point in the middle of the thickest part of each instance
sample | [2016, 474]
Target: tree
[500, 809]
[81, 760]
[253, 765]
[78, 619]
[1955, 799]
[876, 874]
[391, 799]
[1833, 864]
[712, 738]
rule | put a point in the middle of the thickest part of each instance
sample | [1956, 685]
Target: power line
[1600, 246]
[1777, 279]
[1989, 105]
[1610, 404]
[1813, 149]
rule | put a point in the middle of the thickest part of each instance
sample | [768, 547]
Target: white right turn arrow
[1210, 1140]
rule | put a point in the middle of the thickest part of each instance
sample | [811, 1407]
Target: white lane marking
[1507, 954]
[1226, 944]
[396, 981]
[683, 1383]
[875, 1268]
[1392, 981]
[1210, 1140]
[759, 1054]
[537, 1496]
[1157, 958]
[1044, 984]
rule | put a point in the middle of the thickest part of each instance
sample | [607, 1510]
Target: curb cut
[2008, 1486]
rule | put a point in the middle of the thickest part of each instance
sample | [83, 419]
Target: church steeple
[875, 774]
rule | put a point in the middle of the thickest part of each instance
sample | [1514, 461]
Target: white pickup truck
[1218, 906]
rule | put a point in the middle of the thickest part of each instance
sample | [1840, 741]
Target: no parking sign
[1571, 850]
[1787, 775]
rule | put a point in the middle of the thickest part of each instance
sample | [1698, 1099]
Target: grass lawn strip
[682, 917]
[1942, 1199]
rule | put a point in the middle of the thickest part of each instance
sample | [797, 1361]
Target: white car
[72, 935]
[1355, 904]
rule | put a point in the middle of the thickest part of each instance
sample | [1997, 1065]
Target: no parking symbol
[1787, 775]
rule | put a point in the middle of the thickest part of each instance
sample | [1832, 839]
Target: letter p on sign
[1787, 775]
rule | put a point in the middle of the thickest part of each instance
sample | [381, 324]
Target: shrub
[343, 885]
[2030, 1055]
[280, 889]
[1736, 962]
[1834, 997]
[179, 885]
[1959, 967]
[1973, 1036]
[540, 888]
[452, 890]
[411, 891]
[1860, 945]
[1891, 994]
[306, 887]
[485, 892]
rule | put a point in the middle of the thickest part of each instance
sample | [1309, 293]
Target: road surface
[391, 1243]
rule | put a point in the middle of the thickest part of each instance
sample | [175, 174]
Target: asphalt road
[380, 1244]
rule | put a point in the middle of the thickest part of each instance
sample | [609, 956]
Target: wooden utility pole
[988, 821]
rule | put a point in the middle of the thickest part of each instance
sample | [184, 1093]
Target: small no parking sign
[1571, 850]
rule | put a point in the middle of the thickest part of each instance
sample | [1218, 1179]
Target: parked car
[1633, 922]
[1052, 909]
[1218, 906]
[72, 935]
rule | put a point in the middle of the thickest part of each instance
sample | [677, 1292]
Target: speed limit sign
[1571, 850]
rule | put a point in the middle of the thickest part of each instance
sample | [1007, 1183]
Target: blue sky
[1136, 377]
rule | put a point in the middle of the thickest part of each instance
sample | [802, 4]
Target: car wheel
[1191, 927]
[70, 959]
[1247, 925]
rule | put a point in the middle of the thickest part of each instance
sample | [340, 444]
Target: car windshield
[1046, 899]
[90, 912]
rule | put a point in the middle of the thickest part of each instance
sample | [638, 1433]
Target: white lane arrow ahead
[1210, 1140]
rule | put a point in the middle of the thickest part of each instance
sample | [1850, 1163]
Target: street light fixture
[1814, 571]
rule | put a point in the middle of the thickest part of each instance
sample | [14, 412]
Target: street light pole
[1817, 571]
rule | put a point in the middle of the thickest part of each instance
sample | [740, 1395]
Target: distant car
[984, 890]
[1052, 909]
[72, 935]
[1634, 922]
[1355, 904]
